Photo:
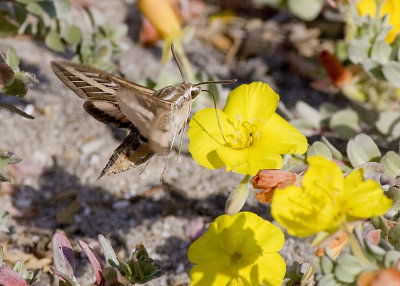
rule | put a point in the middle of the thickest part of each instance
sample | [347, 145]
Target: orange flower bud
[383, 277]
[335, 242]
[162, 16]
[269, 180]
[336, 71]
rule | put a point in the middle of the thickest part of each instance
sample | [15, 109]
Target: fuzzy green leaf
[391, 70]
[394, 236]
[12, 59]
[319, 148]
[72, 34]
[347, 269]
[381, 52]
[391, 162]
[109, 253]
[306, 10]
[335, 152]
[359, 50]
[309, 114]
[345, 123]
[54, 42]
[388, 123]
[391, 258]
[362, 149]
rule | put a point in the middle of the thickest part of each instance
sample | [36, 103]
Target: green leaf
[12, 59]
[335, 152]
[109, 253]
[306, 10]
[362, 149]
[359, 50]
[347, 269]
[394, 236]
[391, 162]
[381, 52]
[391, 70]
[319, 148]
[72, 34]
[27, 77]
[6, 75]
[345, 123]
[391, 258]
[17, 88]
[35, 9]
[63, 7]
[309, 114]
[388, 123]
[54, 42]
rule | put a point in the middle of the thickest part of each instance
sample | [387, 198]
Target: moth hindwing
[154, 118]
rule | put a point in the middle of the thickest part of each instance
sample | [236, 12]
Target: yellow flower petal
[366, 7]
[211, 274]
[279, 136]
[364, 199]
[250, 160]
[246, 247]
[301, 213]
[275, 265]
[325, 176]
[205, 137]
[251, 101]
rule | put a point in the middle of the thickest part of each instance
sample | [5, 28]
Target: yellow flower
[391, 7]
[326, 199]
[253, 135]
[238, 250]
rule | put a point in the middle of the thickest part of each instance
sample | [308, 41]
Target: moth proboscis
[154, 117]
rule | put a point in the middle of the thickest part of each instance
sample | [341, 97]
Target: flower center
[236, 257]
[246, 133]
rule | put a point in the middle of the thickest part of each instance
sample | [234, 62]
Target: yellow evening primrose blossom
[252, 136]
[391, 7]
[238, 250]
[327, 199]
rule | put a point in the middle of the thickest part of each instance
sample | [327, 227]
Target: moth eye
[194, 92]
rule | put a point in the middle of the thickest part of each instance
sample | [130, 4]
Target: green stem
[238, 197]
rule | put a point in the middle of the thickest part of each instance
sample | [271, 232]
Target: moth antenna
[177, 61]
[224, 81]
[216, 113]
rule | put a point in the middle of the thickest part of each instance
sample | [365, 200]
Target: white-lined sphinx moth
[154, 117]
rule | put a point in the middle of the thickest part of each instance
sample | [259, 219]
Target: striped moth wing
[99, 89]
